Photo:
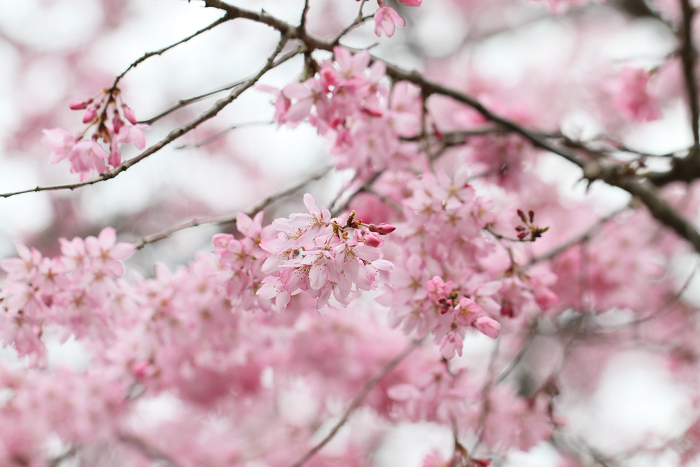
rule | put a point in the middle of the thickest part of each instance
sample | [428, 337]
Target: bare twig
[230, 218]
[369, 385]
[532, 333]
[173, 135]
[221, 134]
[304, 14]
[148, 55]
[358, 21]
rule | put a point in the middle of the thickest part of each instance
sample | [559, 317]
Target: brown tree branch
[172, 136]
[688, 53]
[148, 55]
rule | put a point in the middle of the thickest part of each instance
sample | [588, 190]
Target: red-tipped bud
[129, 114]
[481, 462]
[522, 216]
[384, 229]
[443, 310]
[522, 235]
[117, 124]
[531, 213]
[442, 300]
[89, 115]
[520, 228]
[79, 105]
[373, 240]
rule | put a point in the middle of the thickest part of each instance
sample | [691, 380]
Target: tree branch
[230, 218]
[687, 53]
[576, 240]
[172, 136]
[151, 452]
[148, 55]
[369, 385]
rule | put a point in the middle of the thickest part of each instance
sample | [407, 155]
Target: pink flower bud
[129, 114]
[373, 240]
[411, 2]
[487, 326]
[384, 229]
[117, 124]
[89, 115]
[78, 105]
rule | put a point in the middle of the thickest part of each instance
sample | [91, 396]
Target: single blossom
[385, 20]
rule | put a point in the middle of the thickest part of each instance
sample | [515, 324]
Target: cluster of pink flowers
[349, 103]
[449, 277]
[70, 290]
[322, 256]
[109, 119]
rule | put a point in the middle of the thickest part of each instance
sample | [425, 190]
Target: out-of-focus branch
[576, 240]
[688, 53]
[369, 385]
[231, 218]
[172, 136]
[221, 134]
[151, 452]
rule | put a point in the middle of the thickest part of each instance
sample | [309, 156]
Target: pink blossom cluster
[72, 291]
[108, 119]
[349, 103]
[449, 279]
[322, 256]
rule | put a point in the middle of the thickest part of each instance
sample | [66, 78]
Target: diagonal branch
[687, 53]
[230, 218]
[172, 136]
[369, 385]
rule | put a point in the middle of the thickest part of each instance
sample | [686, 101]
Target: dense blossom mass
[453, 277]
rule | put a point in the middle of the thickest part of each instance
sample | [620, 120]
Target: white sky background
[636, 399]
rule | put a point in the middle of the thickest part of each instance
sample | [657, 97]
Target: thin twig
[369, 385]
[223, 19]
[230, 218]
[532, 333]
[304, 13]
[173, 135]
[221, 134]
[359, 20]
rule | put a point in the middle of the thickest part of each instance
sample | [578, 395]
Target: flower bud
[78, 105]
[129, 114]
[89, 115]
[373, 240]
[384, 229]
